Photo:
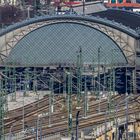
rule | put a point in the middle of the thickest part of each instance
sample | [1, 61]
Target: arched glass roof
[59, 43]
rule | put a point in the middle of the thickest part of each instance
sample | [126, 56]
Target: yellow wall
[130, 128]
[109, 136]
[137, 129]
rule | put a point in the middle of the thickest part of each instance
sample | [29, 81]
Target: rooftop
[124, 17]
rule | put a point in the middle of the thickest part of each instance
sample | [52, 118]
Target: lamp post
[77, 123]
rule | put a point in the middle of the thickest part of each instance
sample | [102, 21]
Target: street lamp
[77, 123]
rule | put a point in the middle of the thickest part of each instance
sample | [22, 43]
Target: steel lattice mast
[2, 110]
[3, 101]
[79, 75]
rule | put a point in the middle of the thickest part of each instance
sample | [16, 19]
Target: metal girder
[128, 51]
[10, 43]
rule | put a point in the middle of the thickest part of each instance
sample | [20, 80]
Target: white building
[11, 2]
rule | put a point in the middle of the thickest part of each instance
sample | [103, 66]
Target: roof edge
[99, 20]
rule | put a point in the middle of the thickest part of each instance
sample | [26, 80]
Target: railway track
[56, 118]
[62, 127]
[91, 106]
[34, 111]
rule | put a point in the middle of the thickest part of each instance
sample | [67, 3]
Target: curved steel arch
[27, 37]
[18, 31]
[105, 22]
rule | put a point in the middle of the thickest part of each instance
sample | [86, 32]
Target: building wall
[13, 2]
[133, 127]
